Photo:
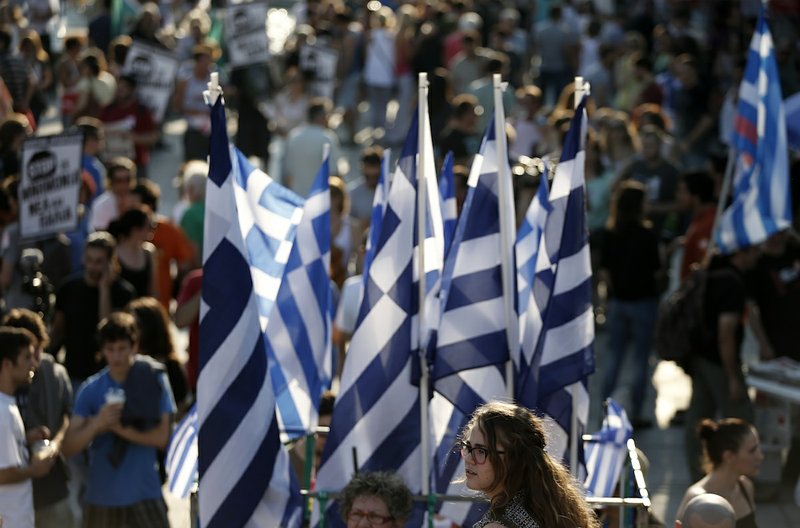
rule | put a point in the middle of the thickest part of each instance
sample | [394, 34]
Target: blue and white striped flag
[447, 190]
[607, 451]
[564, 356]
[761, 196]
[376, 417]
[299, 327]
[250, 225]
[531, 300]
[376, 217]
[181, 462]
[472, 347]
[472, 350]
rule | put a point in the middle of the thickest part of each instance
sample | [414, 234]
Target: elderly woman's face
[369, 510]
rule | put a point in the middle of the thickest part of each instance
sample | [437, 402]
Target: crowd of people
[108, 379]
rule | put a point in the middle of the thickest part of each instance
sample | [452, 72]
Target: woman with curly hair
[375, 499]
[503, 447]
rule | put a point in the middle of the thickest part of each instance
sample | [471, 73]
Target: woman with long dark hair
[631, 264]
[503, 446]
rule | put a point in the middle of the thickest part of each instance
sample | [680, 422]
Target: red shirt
[190, 287]
[143, 124]
[697, 236]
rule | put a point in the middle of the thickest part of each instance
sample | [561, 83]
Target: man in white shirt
[17, 467]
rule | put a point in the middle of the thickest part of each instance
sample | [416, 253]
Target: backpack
[680, 325]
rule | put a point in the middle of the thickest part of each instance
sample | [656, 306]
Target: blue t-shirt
[136, 479]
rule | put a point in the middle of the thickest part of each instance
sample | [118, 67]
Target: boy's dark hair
[318, 108]
[699, 184]
[30, 321]
[102, 240]
[463, 105]
[119, 326]
[372, 155]
[12, 341]
[149, 193]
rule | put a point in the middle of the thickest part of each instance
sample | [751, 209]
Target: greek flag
[761, 198]
[181, 459]
[607, 451]
[376, 417]
[472, 347]
[564, 355]
[299, 327]
[531, 299]
[245, 475]
[376, 217]
[447, 191]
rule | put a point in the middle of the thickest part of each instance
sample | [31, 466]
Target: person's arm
[187, 311]
[38, 467]
[726, 327]
[153, 285]
[57, 332]
[765, 350]
[180, 90]
[58, 439]
[6, 273]
[157, 437]
[82, 430]
[104, 293]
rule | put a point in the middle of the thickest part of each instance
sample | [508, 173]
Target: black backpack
[680, 326]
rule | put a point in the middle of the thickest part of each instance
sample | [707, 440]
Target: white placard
[321, 60]
[154, 70]
[246, 34]
[50, 184]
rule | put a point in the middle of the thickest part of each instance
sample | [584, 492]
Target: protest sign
[246, 34]
[320, 60]
[49, 184]
[155, 71]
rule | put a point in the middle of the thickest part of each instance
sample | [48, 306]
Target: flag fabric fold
[376, 216]
[245, 475]
[447, 191]
[564, 353]
[299, 327]
[181, 461]
[376, 416]
[531, 300]
[761, 198]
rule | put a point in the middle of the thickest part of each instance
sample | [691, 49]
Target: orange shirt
[171, 246]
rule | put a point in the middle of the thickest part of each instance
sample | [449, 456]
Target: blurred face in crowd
[121, 182]
[23, 368]
[96, 262]
[369, 510]
[651, 147]
[372, 173]
[119, 356]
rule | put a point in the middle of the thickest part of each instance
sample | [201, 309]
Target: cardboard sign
[246, 34]
[155, 71]
[50, 184]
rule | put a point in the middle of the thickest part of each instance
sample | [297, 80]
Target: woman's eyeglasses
[373, 518]
[479, 454]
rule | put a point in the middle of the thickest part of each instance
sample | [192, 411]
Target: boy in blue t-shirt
[123, 487]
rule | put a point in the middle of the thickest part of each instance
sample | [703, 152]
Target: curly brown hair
[549, 492]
